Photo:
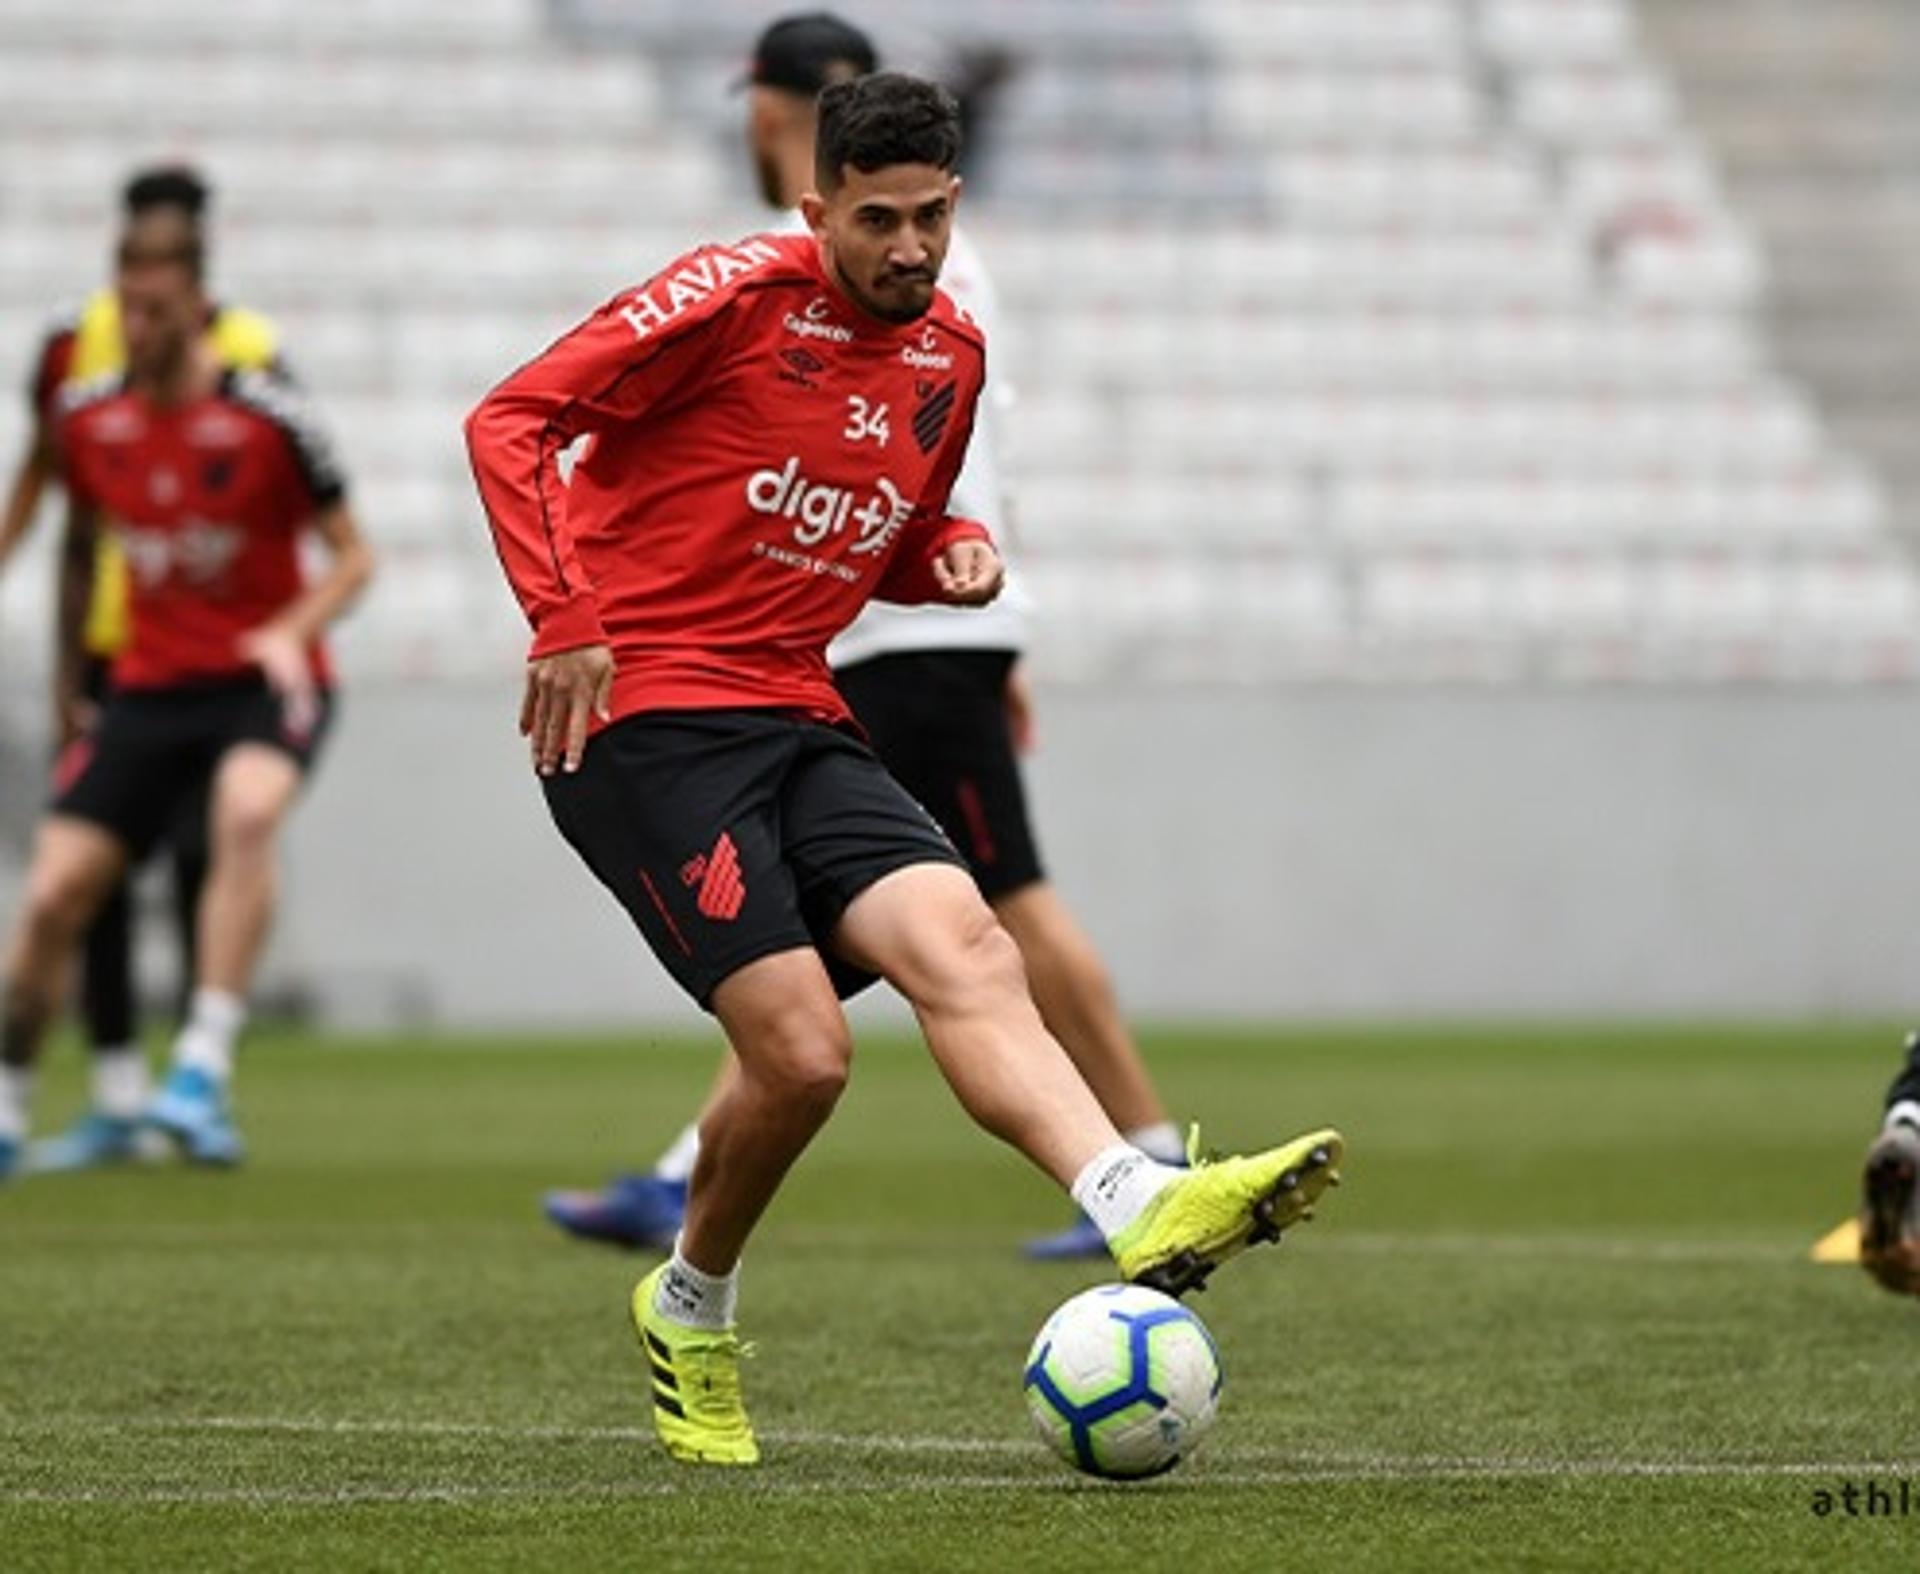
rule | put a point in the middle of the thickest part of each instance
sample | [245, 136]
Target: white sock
[121, 1087]
[1160, 1141]
[694, 1299]
[1117, 1184]
[1905, 1113]
[676, 1164]
[16, 1093]
[213, 1023]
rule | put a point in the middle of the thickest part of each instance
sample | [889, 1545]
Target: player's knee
[804, 1056]
[247, 822]
[977, 962]
[58, 904]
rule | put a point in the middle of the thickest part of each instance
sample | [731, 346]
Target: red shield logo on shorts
[722, 890]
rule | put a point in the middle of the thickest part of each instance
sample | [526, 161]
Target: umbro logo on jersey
[801, 366]
[931, 415]
[716, 875]
[819, 510]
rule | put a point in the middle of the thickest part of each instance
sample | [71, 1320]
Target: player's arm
[601, 372]
[29, 485]
[940, 558]
[39, 463]
[281, 647]
[79, 553]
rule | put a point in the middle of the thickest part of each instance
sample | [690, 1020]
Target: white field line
[1238, 1467]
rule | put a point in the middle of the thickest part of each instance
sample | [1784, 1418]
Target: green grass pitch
[1559, 1317]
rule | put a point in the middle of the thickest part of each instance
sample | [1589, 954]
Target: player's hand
[969, 574]
[1019, 702]
[282, 657]
[74, 715]
[565, 691]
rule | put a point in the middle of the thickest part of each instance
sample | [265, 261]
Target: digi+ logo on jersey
[819, 510]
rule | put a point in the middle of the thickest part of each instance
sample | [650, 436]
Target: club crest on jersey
[819, 510]
[925, 355]
[931, 414]
[659, 302]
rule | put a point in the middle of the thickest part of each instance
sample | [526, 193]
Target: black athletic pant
[107, 994]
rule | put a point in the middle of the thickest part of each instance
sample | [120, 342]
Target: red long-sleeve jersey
[718, 469]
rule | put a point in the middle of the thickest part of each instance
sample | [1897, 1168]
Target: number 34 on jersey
[866, 421]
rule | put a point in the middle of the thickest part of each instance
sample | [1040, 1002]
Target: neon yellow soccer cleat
[1218, 1209]
[697, 1408]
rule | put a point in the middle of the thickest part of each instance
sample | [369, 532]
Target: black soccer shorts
[729, 835]
[155, 750]
[938, 721]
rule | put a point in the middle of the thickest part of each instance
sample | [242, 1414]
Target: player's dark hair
[888, 118]
[167, 186]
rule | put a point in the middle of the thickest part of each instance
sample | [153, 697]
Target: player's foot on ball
[1082, 1238]
[192, 1108]
[1221, 1207]
[1890, 1210]
[694, 1381]
[643, 1212]
[91, 1142]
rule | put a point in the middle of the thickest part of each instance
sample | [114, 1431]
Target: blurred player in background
[164, 208]
[1890, 1204]
[691, 494]
[220, 693]
[943, 701]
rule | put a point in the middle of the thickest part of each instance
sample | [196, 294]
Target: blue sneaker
[10, 1153]
[1082, 1238]
[192, 1108]
[89, 1143]
[642, 1212]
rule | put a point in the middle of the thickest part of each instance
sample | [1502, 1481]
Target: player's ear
[953, 191]
[813, 208]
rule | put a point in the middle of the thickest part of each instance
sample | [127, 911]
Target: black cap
[809, 51]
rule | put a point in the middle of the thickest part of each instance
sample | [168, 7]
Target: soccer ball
[1123, 1381]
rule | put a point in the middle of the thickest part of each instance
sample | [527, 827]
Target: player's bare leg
[1076, 1000]
[791, 1054]
[792, 1051]
[253, 790]
[254, 787]
[927, 931]
[75, 864]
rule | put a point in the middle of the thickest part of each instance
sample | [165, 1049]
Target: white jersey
[883, 629]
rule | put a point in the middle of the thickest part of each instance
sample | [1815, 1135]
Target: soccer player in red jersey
[691, 493]
[206, 476]
[939, 693]
[164, 208]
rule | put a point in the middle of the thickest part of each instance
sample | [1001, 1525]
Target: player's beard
[893, 307]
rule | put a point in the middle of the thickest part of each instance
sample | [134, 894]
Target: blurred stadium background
[1463, 456]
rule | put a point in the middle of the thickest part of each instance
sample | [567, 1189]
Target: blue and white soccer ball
[1123, 1381]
